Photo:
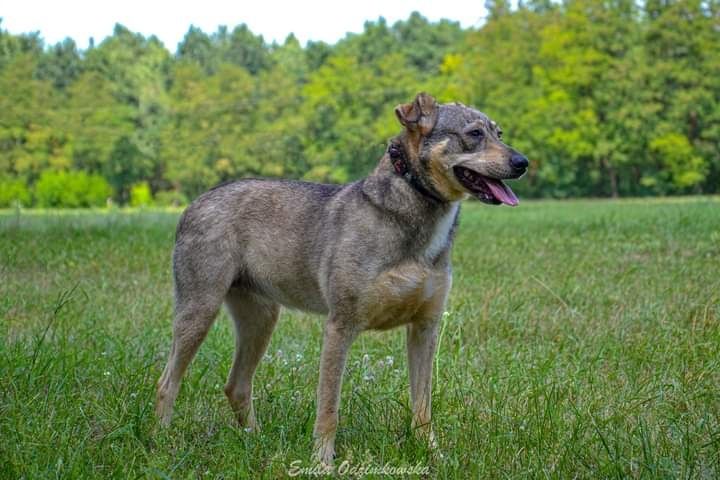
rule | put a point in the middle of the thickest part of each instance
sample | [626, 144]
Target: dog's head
[457, 150]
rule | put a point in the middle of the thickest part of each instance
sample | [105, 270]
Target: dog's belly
[307, 299]
[291, 288]
[408, 293]
[295, 293]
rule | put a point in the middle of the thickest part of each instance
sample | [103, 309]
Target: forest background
[606, 98]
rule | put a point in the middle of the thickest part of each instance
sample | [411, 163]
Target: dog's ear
[419, 116]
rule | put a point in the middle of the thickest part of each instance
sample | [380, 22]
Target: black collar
[397, 158]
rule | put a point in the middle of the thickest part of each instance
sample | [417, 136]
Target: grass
[581, 340]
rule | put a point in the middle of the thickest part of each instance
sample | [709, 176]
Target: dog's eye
[477, 133]
[499, 134]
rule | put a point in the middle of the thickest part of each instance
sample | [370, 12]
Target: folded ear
[419, 116]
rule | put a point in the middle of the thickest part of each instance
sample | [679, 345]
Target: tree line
[606, 98]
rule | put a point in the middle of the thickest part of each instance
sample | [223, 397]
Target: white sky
[169, 20]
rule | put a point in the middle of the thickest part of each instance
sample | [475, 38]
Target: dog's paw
[324, 452]
[425, 434]
[432, 441]
[427, 437]
[163, 415]
[247, 422]
[250, 429]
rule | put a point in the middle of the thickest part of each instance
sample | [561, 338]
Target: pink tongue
[502, 192]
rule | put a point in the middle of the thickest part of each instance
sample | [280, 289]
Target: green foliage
[605, 98]
[170, 198]
[61, 64]
[676, 153]
[71, 189]
[12, 192]
[140, 195]
[239, 47]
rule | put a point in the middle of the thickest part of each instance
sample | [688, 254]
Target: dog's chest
[409, 292]
[415, 289]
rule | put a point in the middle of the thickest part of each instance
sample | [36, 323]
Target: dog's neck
[401, 168]
[428, 225]
[402, 194]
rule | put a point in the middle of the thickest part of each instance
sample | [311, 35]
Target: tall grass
[581, 340]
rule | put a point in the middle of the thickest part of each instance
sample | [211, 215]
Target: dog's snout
[518, 161]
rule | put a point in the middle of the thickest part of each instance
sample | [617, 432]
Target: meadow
[581, 340]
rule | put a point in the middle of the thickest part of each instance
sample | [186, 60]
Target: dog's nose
[518, 161]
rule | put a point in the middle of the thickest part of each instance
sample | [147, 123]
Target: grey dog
[372, 254]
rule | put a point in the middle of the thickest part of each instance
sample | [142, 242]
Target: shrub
[13, 191]
[170, 198]
[140, 195]
[71, 189]
[97, 191]
[679, 158]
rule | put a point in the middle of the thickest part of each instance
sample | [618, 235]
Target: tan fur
[401, 295]
[444, 182]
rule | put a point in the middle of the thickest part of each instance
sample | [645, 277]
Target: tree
[12, 46]
[239, 47]
[683, 46]
[198, 47]
[202, 141]
[95, 120]
[61, 64]
[136, 68]
[29, 139]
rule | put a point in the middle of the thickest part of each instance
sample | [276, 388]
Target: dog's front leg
[421, 344]
[337, 338]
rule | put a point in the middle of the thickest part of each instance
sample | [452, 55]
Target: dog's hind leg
[193, 319]
[254, 319]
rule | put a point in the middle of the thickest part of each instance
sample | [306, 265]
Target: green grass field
[581, 340]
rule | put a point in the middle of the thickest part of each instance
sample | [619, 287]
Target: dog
[372, 254]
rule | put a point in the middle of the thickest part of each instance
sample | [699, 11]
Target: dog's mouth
[485, 189]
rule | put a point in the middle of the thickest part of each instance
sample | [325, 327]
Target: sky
[169, 20]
